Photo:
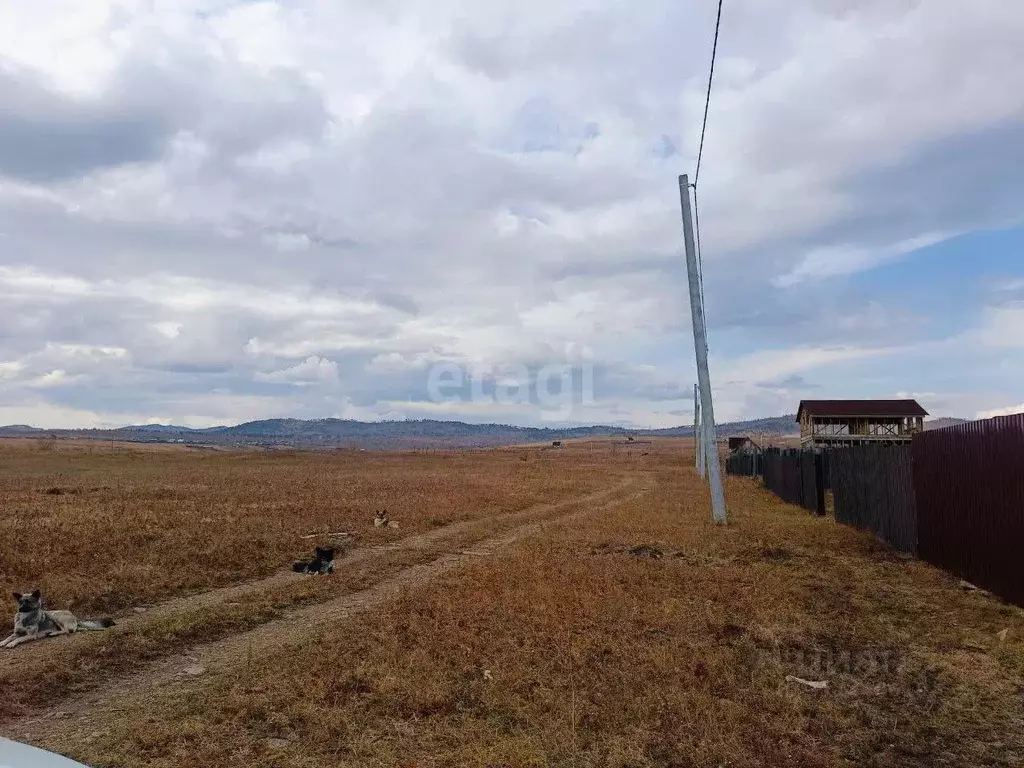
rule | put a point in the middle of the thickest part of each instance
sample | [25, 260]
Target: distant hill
[424, 433]
[941, 423]
[163, 428]
[774, 425]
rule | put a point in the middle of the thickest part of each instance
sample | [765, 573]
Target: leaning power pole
[708, 436]
[698, 446]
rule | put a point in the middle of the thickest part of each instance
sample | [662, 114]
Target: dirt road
[74, 719]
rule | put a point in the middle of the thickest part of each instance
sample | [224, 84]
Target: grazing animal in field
[323, 562]
[34, 622]
[381, 520]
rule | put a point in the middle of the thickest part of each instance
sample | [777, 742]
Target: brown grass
[45, 674]
[578, 649]
[101, 529]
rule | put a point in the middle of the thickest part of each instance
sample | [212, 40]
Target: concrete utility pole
[707, 412]
[698, 445]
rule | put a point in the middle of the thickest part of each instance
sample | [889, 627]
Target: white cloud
[203, 200]
[10, 369]
[289, 242]
[168, 328]
[1005, 411]
[85, 351]
[771, 365]
[831, 261]
[1003, 327]
[54, 378]
[312, 370]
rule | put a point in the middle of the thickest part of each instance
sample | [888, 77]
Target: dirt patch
[777, 554]
[648, 551]
[60, 491]
[727, 631]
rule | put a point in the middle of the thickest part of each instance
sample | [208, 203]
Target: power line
[700, 155]
[707, 98]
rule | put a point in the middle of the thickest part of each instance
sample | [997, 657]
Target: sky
[216, 211]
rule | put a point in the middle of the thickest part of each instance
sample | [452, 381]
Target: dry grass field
[102, 529]
[586, 613]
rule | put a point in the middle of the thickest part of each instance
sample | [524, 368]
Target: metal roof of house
[889, 408]
[735, 440]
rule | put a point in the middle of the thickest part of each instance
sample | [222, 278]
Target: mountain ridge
[331, 432]
[404, 434]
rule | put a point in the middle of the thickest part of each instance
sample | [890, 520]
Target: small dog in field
[34, 622]
[381, 520]
[323, 562]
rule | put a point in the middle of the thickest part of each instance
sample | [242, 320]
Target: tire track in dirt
[234, 592]
[74, 718]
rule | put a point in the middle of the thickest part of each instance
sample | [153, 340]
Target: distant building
[742, 444]
[833, 423]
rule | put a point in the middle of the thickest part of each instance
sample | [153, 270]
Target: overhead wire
[707, 98]
[696, 174]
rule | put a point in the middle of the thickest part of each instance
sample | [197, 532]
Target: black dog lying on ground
[323, 562]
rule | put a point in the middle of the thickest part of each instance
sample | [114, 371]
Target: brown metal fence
[873, 489]
[812, 481]
[969, 481]
[782, 474]
[746, 464]
[795, 476]
[826, 469]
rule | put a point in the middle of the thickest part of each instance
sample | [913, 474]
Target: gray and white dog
[34, 622]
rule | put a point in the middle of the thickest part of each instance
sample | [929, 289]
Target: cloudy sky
[216, 211]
